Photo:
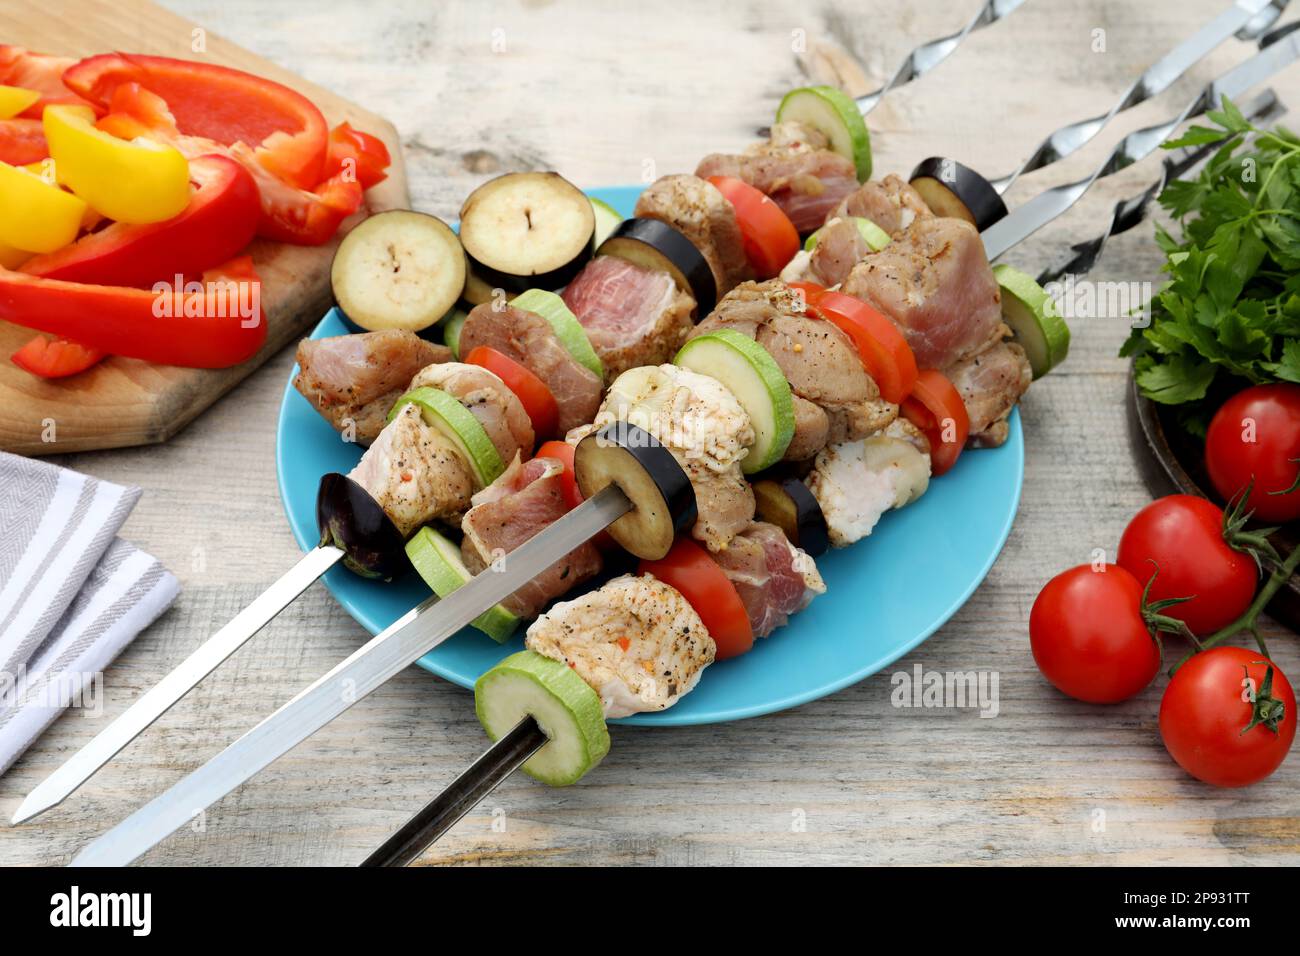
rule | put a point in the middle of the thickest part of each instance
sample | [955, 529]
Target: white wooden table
[604, 94]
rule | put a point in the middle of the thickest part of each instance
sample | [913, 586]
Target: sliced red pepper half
[365, 156]
[769, 236]
[531, 391]
[936, 408]
[706, 587]
[218, 223]
[213, 324]
[37, 71]
[22, 141]
[55, 358]
[885, 353]
[229, 106]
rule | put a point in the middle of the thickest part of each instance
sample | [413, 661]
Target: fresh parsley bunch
[1229, 314]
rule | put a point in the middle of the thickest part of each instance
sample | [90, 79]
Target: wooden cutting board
[126, 401]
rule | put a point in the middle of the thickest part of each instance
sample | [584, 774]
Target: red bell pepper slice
[22, 141]
[37, 71]
[55, 358]
[366, 156]
[218, 223]
[286, 130]
[215, 324]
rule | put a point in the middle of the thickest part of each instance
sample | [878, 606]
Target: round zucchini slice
[753, 376]
[958, 192]
[607, 219]
[437, 560]
[1034, 319]
[790, 506]
[565, 324]
[833, 114]
[458, 423]
[527, 229]
[451, 331]
[656, 245]
[398, 270]
[663, 501]
[568, 711]
[352, 521]
[875, 237]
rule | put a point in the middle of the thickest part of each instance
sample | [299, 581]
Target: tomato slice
[531, 391]
[935, 407]
[688, 568]
[885, 353]
[568, 481]
[55, 358]
[770, 238]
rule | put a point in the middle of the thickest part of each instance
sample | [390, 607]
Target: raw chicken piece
[857, 482]
[934, 282]
[353, 380]
[505, 514]
[529, 339]
[635, 640]
[990, 384]
[703, 215]
[633, 316]
[490, 401]
[890, 203]
[414, 473]
[773, 578]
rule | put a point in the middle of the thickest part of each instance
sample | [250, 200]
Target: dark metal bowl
[1171, 461]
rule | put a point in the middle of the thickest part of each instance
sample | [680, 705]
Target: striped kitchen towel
[72, 594]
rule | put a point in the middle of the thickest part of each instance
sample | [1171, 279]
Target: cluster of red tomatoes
[1184, 567]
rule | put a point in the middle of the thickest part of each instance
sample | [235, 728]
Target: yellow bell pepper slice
[38, 216]
[135, 181]
[15, 99]
[11, 258]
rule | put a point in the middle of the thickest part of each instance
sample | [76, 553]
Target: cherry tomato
[1207, 707]
[689, 569]
[1088, 636]
[935, 407]
[1256, 434]
[1182, 536]
[531, 391]
[770, 238]
[885, 354]
[55, 358]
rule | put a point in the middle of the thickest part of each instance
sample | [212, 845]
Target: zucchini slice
[656, 245]
[565, 324]
[352, 521]
[790, 506]
[833, 114]
[607, 219]
[458, 423]
[875, 237]
[753, 376]
[663, 501]
[958, 192]
[451, 331]
[1034, 319]
[527, 229]
[437, 560]
[398, 270]
[565, 708]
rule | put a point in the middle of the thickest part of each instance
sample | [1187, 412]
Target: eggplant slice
[352, 521]
[659, 247]
[790, 506]
[525, 230]
[956, 191]
[663, 501]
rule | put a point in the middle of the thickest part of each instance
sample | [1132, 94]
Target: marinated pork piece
[839, 248]
[804, 178]
[635, 640]
[697, 419]
[490, 401]
[773, 578]
[521, 502]
[835, 399]
[353, 380]
[890, 203]
[990, 384]
[529, 339]
[703, 215]
[857, 482]
[633, 316]
[414, 473]
[934, 282]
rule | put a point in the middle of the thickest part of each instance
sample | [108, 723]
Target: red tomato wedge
[568, 481]
[359, 154]
[936, 408]
[885, 354]
[218, 223]
[770, 238]
[22, 141]
[55, 358]
[531, 391]
[689, 569]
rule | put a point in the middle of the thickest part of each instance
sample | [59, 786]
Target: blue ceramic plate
[885, 595]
